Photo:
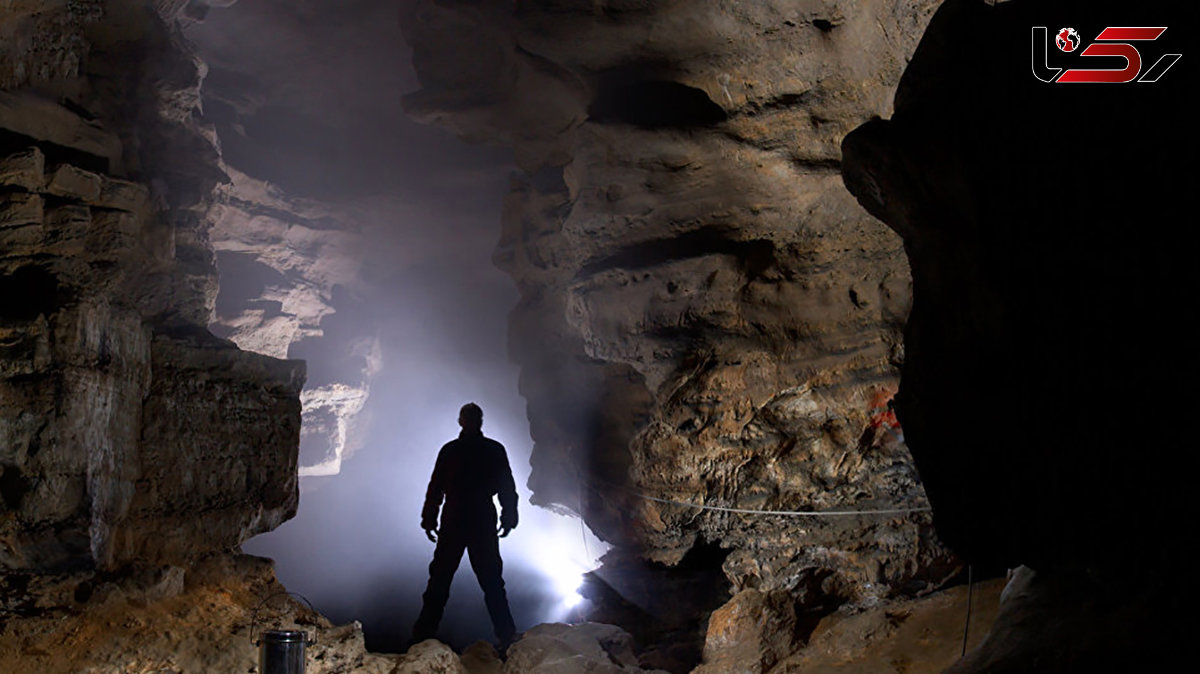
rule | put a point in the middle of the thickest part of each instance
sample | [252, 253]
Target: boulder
[558, 648]
[430, 657]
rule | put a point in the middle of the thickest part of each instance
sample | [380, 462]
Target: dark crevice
[12, 143]
[819, 165]
[665, 608]
[654, 104]
[547, 180]
[754, 256]
[259, 210]
[243, 281]
[783, 102]
[13, 487]
[29, 292]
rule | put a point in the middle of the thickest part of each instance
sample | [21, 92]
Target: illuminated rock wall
[706, 314]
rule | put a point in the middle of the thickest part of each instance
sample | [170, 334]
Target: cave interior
[822, 335]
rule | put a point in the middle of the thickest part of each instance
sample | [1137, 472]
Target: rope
[784, 513]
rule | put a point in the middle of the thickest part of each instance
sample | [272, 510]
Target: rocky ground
[174, 620]
[200, 619]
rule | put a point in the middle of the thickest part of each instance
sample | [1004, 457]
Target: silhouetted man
[468, 472]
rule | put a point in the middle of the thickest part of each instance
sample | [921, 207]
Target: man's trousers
[483, 547]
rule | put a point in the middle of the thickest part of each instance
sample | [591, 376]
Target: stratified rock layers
[128, 434]
[137, 450]
[706, 315]
[283, 260]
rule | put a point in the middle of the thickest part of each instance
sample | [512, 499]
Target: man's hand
[508, 521]
[431, 534]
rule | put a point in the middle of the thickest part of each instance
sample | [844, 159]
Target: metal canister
[281, 652]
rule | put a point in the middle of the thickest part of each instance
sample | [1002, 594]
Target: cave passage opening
[305, 98]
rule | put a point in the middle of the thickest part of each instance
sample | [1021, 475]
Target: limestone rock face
[751, 633]
[290, 251]
[301, 242]
[285, 262]
[128, 434]
[42, 41]
[706, 316]
[219, 464]
[118, 441]
[913, 636]
[137, 450]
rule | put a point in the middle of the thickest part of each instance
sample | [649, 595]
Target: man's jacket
[468, 472]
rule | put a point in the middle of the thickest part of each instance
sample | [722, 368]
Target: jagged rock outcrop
[916, 636]
[283, 261]
[1050, 277]
[136, 449]
[202, 619]
[706, 316]
[289, 261]
[122, 431]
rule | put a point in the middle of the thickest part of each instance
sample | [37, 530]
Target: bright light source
[561, 563]
[572, 600]
[563, 551]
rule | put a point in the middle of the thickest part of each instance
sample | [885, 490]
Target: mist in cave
[326, 122]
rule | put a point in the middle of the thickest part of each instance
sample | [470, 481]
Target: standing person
[468, 472]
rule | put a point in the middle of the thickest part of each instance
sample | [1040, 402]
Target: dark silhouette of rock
[1047, 230]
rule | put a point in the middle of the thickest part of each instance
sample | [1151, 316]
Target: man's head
[470, 417]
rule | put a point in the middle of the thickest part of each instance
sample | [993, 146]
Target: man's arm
[434, 494]
[506, 489]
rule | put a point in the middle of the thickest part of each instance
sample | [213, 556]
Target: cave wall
[128, 434]
[1045, 225]
[288, 264]
[1045, 290]
[292, 226]
[706, 315]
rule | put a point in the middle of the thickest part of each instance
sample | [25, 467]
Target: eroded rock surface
[121, 429]
[290, 227]
[135, 447]
[706, 315]
[284, 260]
[585, 647]
[202, 619]
[917, 636]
